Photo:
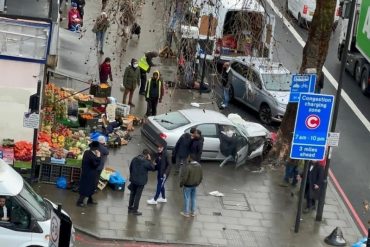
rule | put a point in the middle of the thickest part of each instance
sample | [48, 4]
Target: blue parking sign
[301, 84]
[311, 126]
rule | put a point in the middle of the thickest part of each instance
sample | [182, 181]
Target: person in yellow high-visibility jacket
[154, 91]
[145, 64]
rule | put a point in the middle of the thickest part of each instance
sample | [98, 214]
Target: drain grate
[235, 201]
[149, 223]
[217, 214]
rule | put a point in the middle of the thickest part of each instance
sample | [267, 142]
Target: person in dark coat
[196, 146]
[104, 152]
[154, 91]
[163, 168]
[139, 167]
[182, 149]
[228, 146]
[90, 163]
[131, 79]
[225, 85]
[314, 184]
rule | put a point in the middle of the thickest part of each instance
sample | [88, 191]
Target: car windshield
[34, 203]
[277, 82]
[171, 120]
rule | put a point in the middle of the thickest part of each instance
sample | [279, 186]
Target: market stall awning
[75, 59]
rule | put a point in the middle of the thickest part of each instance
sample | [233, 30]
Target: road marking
[346, 200]
[331, 79]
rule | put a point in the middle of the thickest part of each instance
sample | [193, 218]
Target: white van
[25, 220]
[238, 28]
[303, 10]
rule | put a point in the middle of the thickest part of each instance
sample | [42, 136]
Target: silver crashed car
[167, 129]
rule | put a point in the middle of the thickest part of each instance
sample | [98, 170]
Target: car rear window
[171, 120]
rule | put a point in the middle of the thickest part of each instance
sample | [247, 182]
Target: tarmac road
[350, 159]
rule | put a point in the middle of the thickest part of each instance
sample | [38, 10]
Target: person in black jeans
[153, 94]
[139, 167]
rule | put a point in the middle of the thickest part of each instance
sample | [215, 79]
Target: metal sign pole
[301, 197]
[320, 206]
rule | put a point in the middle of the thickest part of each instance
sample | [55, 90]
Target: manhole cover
[235, 201]
[217, 214]
[149, 223]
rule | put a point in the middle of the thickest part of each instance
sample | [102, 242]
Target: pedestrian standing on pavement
[100, 28]
[139, 167]
[103, 4]
[291, 174]
[104, 152]
[131, 79]
[315, 180]
[190, 179]
[196, 146]
[145, 64]
[154, 91]
[74, 19]
[163, 168]
[90, 163]
[181, 151]
[225, 85]
[105, 71]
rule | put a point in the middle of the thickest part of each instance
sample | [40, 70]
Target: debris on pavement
[216, 193]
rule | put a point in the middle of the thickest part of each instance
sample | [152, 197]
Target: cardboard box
[128, 123]
[204, 25]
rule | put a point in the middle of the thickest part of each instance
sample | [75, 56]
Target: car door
[241, 144]
[238, 79]
[15, 232]
[256, 94]
[211, 145]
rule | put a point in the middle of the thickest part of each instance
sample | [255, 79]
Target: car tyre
[357, 73]
[365, 87]
[265, 114]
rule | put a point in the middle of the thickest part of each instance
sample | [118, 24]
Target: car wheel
[265, 114]
[365, 88]
[300, 20]
[357, 73]
[231, 93]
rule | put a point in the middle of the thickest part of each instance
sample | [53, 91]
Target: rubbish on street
[216, 193]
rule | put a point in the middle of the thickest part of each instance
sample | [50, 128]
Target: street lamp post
[320, 206]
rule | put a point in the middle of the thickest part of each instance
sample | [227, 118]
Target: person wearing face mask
[105, 71]
[131, 79]
[225, 85]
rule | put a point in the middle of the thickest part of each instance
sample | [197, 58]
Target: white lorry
[26, 217]
[358, 59]
[232, 27]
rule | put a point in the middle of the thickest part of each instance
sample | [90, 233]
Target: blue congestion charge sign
[311, 126]
[301, 84]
